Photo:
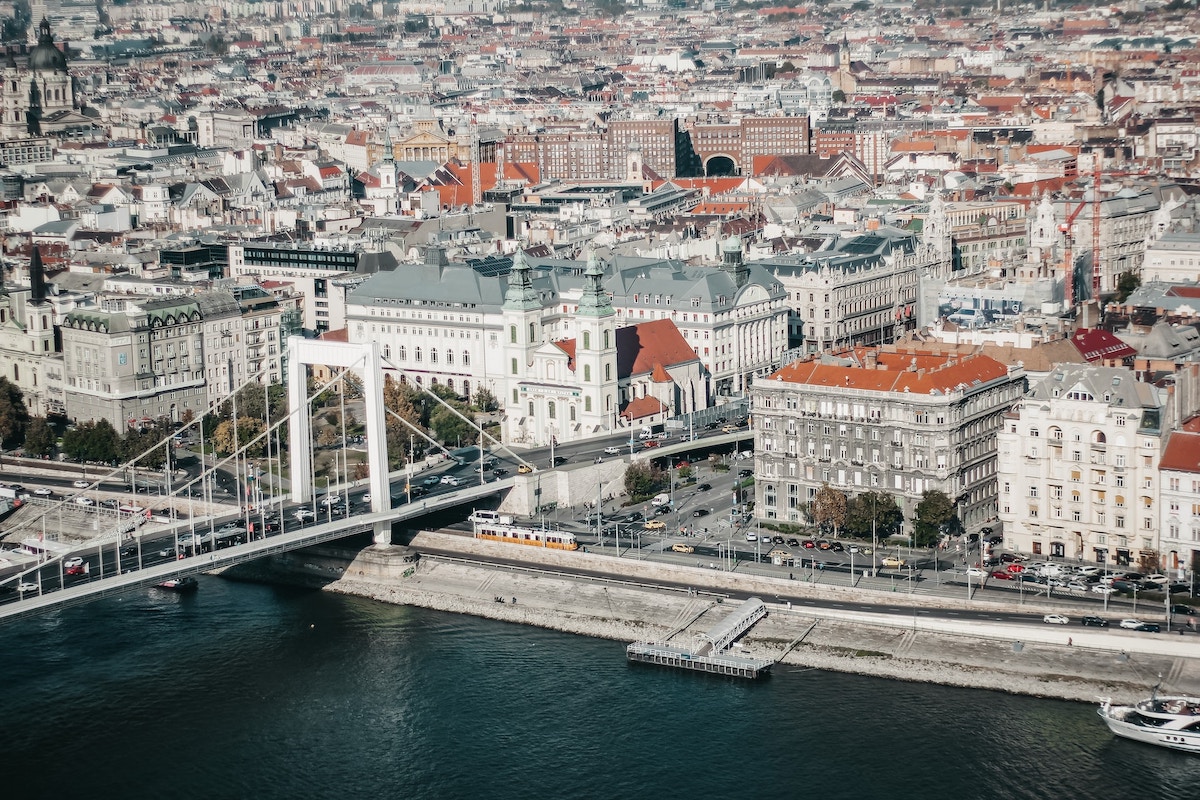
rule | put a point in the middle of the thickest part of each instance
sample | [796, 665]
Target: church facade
[37, 93]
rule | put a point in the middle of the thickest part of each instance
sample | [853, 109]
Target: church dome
[45, 57]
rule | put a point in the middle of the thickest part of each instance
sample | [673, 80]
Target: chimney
[871, 359]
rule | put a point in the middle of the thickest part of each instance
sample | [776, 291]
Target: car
[432, 480]
[26, 586]
[711, 426]
[976, 572]
[700, 512]
[110, 504]
[995, 540]
[635, 516]
[73, 561]
[704, 487]
[1158, 579]
[648, 444]
[728, 429]
[499, 472]
[1130, 624]
[129, 550]
[613, 450]
[85, 501]
[78, 569]
[1180, 608]
[679, 547]
[166, 552]
[745, 473]
[683, 465]
[524, 469]
[81, 484]
[837, 547]
[1077, 586]
[42, 491]
[230, 527]
[1149, 627]
[654, 524]
[304, 514]
[663, 509]
[558, 461]
[793, 542]
[1011, 558]
[449, 480]
[986, 530]
[751, 537]
[1029, 577]
[1015, 568]
[892, 561]
[1001, 575]
[1094, 622]
[1055, 619]
[809, 544]
[823, 544]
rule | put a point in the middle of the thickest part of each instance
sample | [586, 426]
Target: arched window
[587, 340]
[587, 373]
[466, 358]
[432, 381]
[467, 389]
[403, 380]
[572, 413]
[512, 333]
[532, 332]
[402, 353]
[608, 372]
[433, 355]
[530, 408]
[1098, 437]
[608, 402]
[417, 354]
[587, 405]
[606, 334]
[450, 357]
[450, 384]
[552, 409]
[387, 351]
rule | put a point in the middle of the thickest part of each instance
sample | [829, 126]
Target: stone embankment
[1072, 662]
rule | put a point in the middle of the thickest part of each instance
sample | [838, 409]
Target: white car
[366, 498]
[1131, 624]
[73, 561]
[304, 514]
[26, 586]
[81, 484]
[613, 451]
[331, 499]
[1102, 589]
[84, 501]
[1161, 580]
[751, 537]
[976, 572]
[1055, 619]
[42, 491]
[449, 480]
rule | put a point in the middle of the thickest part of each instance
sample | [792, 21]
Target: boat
[1171, 721]
[186, 584]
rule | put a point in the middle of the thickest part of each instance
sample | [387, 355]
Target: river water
[246, 690]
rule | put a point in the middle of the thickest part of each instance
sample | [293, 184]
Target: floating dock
[708, 655]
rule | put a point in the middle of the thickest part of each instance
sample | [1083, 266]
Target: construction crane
[1068, 238]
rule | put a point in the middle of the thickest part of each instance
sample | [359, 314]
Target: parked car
[837, 547]
[823, 544]
[1055, 619]
[1100, 588]
[432, 480]
[976, 572]
[745, 473]
[793, 542]
[809, 544]
[1094, 622]
[751, 536]
[1001, 575]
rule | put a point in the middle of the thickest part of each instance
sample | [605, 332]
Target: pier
[709, 655]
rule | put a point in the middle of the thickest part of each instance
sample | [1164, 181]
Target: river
[248, 690]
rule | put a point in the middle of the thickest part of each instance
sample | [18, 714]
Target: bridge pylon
[364, 359]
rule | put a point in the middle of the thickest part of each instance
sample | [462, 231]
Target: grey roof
[1161, 295]
[217, 303]
[455, 284]
[1165, 340]
[1117, 387]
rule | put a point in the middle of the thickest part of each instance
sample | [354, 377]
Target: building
[882, 419]
[1078, 467]
[38, 97]
[1179, 504]
[29, 355]
[1172, 258]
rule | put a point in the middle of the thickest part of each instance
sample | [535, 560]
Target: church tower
[733, 261]
[596, 350]
[39, 317]
[522, 315]
[935, 235]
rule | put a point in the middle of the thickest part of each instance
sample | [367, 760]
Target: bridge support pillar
[365, 359]
[383, 534]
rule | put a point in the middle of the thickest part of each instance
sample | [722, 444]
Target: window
[417, 354]
[587, 373]
[587, 405]
[531, 408]
[512, 333]
[466, 358]
[608, 372]
[587, 340]
[1033, 491]
[433, 355]
[552, 409]
[514, 366]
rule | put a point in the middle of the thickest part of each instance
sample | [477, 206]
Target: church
[38, 97]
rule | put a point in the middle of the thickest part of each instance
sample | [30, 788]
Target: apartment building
[882, 419]
[1179, 504]
[1079, 467]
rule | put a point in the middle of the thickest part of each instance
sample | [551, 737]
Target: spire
[594, 302]
[37, 277]
[520, 295]
[389, 151]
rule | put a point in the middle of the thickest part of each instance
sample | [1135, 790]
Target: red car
[1015, 568]
[1001, 575]
[648, 444]
[809, 544]
[77, 569]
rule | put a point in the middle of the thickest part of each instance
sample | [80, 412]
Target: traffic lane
[795, 600]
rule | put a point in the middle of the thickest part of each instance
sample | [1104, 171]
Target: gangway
[725, 632]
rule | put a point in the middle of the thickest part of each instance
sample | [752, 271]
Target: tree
[14, 414]
[92, 441]
[39, 438]
[1127, 283]
[934, 511]
[838, 96]
[449, 428]
[247, 429]
[643, 481]
[829, 508]
[485, 401]
[879, 508]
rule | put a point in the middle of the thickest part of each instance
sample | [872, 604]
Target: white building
[1179, 490]
[1078, 467]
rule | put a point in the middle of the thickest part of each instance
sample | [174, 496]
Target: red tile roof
[641, 407]
[1182, 453]
[1100, 345]
[897, 371]
[640, 348]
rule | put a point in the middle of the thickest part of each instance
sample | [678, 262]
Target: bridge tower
[596, 349]
[365, 359]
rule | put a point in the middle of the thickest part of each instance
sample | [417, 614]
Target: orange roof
[1182, 453]
[897, 371]
[641, 348]
[641, 407]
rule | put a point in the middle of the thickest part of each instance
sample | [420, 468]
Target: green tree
[934, 511]
[484, 401]
[14, 414]
[838, 96]
[879, 508]
[39, 437]
[829, 508]
[1127, 283]
[449, 428]
[643, 481]
[94, 440]
[247, 429]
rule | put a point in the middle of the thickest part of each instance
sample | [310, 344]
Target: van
[646, 434]
[661, 499]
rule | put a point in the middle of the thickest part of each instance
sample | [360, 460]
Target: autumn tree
[829, 508]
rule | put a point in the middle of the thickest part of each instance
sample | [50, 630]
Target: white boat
[1171, 721]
